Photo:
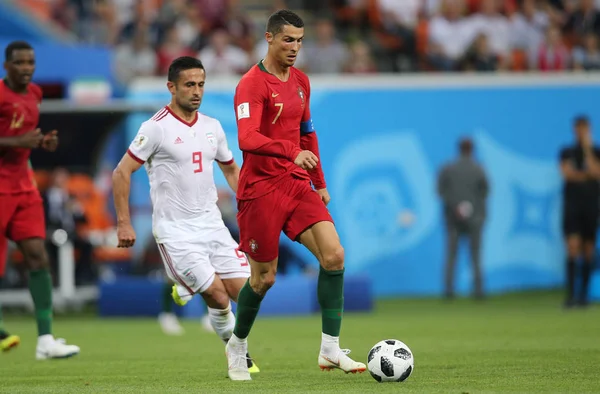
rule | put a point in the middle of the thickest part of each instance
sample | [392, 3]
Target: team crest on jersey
[302, 95]
[253, 245]
[212, 140]
[190, 277]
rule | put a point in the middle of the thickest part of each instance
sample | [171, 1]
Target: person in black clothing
[580, 168]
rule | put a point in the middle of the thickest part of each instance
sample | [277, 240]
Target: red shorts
[292, 207]
[22, 216]
[3, 254]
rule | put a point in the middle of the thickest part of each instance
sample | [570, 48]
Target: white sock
[330, 345]
[45, 339]
[222, 321]
[235, 341]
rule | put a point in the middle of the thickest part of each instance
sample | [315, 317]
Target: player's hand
[31, 139]
[50, 141]
[324, 194]
[306, 160]
[126, 235]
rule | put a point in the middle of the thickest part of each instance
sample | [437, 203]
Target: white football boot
[237, 360]
[170, 324]
[50, 348]
[327, 362]
[206, 324]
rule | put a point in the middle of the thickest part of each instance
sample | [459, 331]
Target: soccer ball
[390, 361]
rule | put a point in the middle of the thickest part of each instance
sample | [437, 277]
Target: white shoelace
[239, 361]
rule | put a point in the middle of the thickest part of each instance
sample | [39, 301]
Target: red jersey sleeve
[309, 141]
[250, 96]
[37, 91]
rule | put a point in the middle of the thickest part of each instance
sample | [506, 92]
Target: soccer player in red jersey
[281, 160]
[21, 209]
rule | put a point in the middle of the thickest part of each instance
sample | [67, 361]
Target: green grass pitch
[514, 343]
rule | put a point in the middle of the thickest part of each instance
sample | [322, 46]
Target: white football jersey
[178, 157]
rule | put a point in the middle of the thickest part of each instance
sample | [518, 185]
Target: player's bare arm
[231, 173]
[121, 187]
[30, 140]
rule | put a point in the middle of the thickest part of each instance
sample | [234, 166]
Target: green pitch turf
[518, 343]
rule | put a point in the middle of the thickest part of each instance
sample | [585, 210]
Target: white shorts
[193, 264]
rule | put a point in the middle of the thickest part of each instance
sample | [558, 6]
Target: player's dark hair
[581, 120]
[15, 46]
[181, 64]
[282, 18]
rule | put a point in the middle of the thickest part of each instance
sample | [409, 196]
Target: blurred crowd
[343, 36]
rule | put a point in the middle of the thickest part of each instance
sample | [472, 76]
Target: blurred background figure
[63, 212]
[463, 188]
[580, 168]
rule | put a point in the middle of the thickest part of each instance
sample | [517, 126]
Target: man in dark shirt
[580, 168]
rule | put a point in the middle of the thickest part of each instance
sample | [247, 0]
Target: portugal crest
[302, 96]
[253, 246]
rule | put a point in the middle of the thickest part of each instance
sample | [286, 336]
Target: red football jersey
[19, 113]
[269, 113]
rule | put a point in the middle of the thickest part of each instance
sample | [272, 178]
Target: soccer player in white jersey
[178, 146]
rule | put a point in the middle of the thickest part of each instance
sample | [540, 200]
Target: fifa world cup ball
[390, 361]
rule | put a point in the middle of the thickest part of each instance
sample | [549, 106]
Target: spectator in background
[222, 58]
[400, 18]
[587, 56]
[360, 61]
[179, 15]
[585, 19]
[552, 55]
[496, 27]
[240, 27]
[463, 188]
[528, 27]
[580, 168]
[480, 56]
[143, 22]
[450, 34]
[325, 54]
[135, 59]
[170, 49]
[64, 213]
[102, 27]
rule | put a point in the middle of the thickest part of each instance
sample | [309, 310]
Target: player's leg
[233, 269]
[27, 229]
[7, 341]
[588, 236]
[188, 265]
[312, 226]
[323, 241]
[572, 233]
[260, 222]
[166, 318]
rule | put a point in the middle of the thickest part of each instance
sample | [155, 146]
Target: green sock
[167, 300]
[247, 308]
[330, 293]
[40, 287]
